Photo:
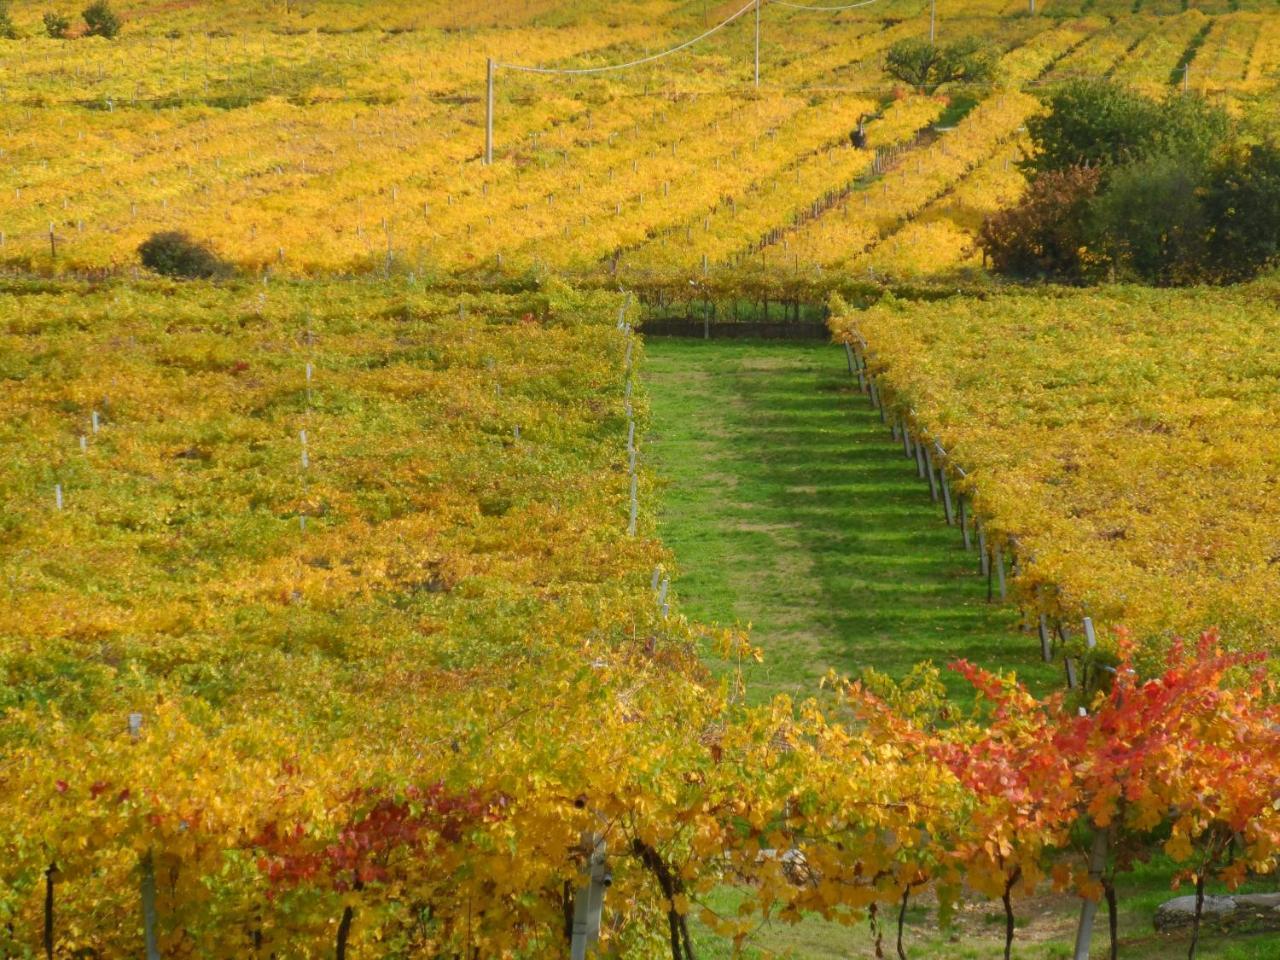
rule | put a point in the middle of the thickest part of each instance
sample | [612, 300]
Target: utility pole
[933, 19]
[488, 115]
[1186, 76]
[757, 44]
[1033, 7]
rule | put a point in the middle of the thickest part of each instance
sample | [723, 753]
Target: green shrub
[174, 254]
[100, 20]
[56, 25]
[1121, 185]
[1150, 223]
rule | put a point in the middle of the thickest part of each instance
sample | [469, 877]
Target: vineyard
[341, 539]
[1108, 442]
[310, 141]
[328, 622]
[336, 612]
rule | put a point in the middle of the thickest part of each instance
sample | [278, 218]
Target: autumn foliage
[1045, 234]
[1191, 754]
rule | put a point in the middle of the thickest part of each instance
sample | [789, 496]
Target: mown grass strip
[789, 507]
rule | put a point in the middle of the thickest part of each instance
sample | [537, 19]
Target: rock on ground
[1245, 912]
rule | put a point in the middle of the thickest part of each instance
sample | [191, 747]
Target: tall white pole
[488, 116]
[933, 19]
[757, 43]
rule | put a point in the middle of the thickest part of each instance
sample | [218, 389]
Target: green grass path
[788, 506]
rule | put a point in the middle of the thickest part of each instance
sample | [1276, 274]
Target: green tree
[1242, 211]
[1190, 128]
[927, 65]
[1150, 220]
[1090, 123]
[1102, 123]
[56, 25]
[7, 31]
[100, 20]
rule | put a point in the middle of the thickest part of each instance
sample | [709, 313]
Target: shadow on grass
[825, 539]
[788, 504]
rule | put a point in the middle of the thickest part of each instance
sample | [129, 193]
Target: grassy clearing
[1045, 931]
[789, 507]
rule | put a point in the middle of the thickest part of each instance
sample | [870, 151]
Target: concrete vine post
[1098, 852]
[929, 475]
[147, 873]
[947, 506]
[588, 900]
[488, 113]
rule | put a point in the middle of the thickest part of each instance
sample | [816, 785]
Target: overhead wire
[802, 6]
[575, 71]
[578, 71]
